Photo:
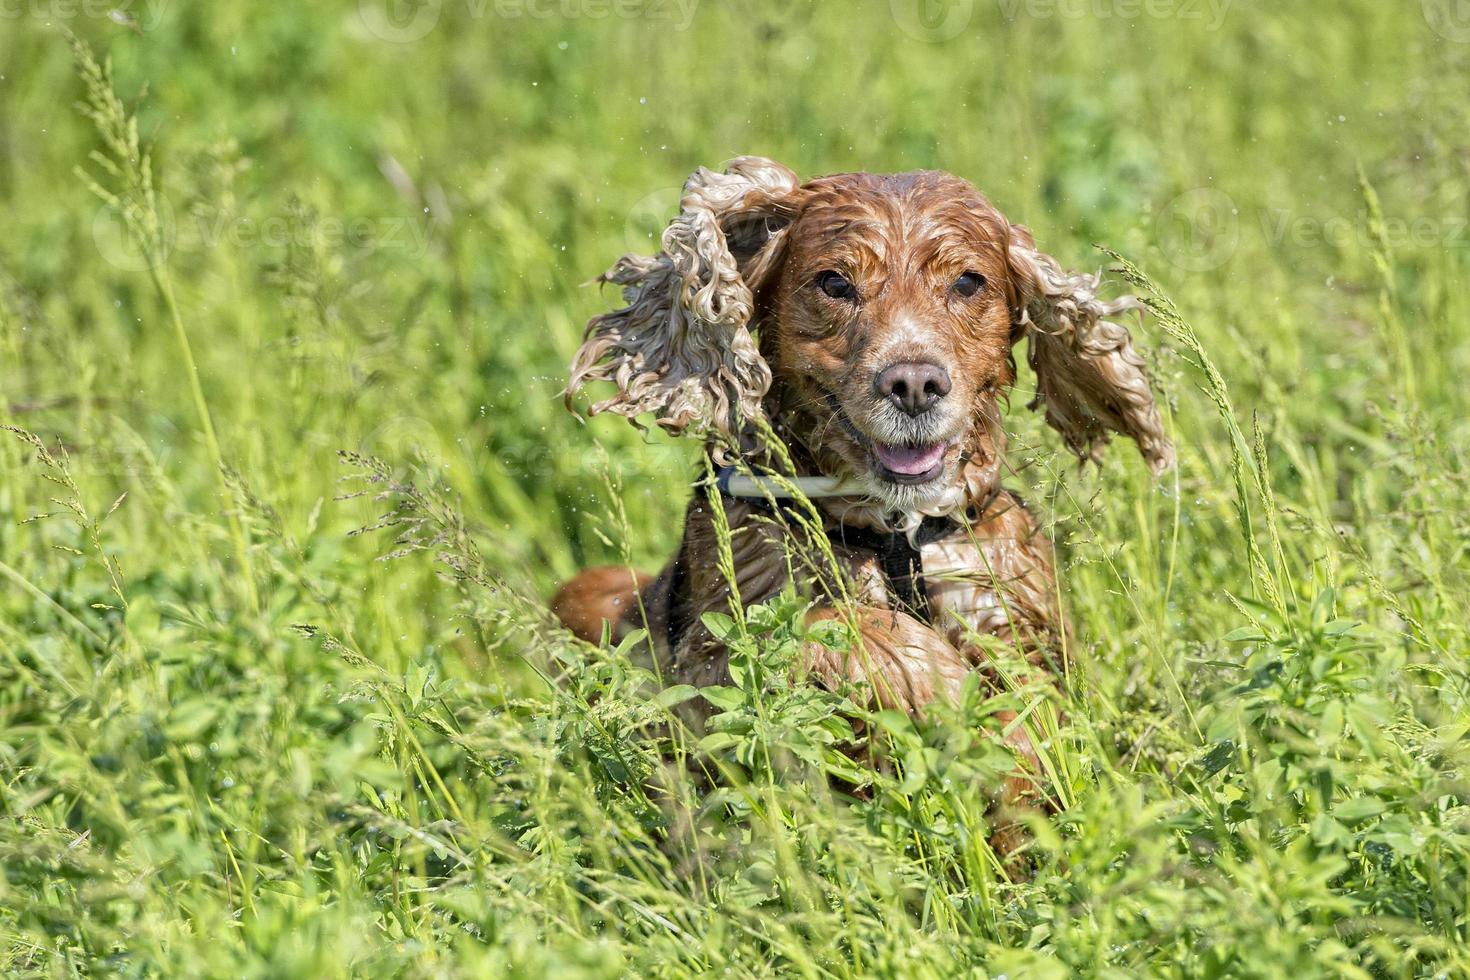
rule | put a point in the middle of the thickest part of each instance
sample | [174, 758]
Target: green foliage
[767, 712]
[285, 308]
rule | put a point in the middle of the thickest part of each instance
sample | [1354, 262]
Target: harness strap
[901, 559]
[902, 563]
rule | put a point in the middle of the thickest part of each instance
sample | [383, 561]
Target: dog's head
[874, 316]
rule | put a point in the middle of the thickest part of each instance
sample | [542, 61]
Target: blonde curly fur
[681, 348]
[1089, 378]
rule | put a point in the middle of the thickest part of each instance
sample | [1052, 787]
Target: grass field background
[233, 741]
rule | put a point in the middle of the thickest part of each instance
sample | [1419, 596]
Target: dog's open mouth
[906, 464]
[910, 464]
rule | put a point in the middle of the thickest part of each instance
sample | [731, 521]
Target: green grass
[233, 741]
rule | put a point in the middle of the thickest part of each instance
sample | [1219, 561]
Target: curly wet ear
[1089, 378]
[681, 348]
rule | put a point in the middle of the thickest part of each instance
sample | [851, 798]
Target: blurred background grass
[377, 220]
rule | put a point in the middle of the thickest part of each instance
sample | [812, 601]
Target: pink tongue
[910, 461]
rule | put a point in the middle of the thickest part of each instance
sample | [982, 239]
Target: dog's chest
[978, 580]
[870, 582]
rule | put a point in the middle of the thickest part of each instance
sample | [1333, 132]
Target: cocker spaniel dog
[850, 340]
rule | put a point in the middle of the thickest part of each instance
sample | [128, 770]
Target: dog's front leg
[901, 660]
[907, 665]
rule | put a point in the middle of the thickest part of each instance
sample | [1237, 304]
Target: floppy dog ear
[1089, 378]
[681, 348]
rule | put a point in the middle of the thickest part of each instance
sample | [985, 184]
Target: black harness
[899, 557]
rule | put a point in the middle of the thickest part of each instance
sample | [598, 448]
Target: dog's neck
[825, 478]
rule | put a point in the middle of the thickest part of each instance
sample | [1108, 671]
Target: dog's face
[886, 309]
[887, 326]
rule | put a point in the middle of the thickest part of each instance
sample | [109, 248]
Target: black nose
[912, 387]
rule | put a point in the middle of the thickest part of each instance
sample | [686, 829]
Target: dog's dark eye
[836, 285]
[969, 284]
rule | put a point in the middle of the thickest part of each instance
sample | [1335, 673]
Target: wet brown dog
[871, 320]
